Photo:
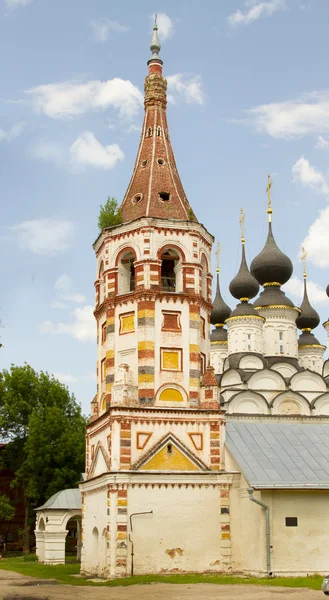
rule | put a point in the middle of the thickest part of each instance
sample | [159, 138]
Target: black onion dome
[220, 311]
[309, 318]
[218, 335]
[327, 290]
[307, 339]
[272, 296]
[244, 309]
[271, 265]
[244, 285]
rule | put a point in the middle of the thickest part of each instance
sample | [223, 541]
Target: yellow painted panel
[121, 536]
[194, 316]
[110, 354]
[170, 360]
[146, 345]
[169, 461]
[104, 404]
[145, 377]
[110, 321]
[122, 502]
[108, 387]
[194, 348]
[127, 323]
[171, 395]
[194, 382]
[146, 312]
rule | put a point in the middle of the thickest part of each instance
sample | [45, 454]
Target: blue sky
[249, 96]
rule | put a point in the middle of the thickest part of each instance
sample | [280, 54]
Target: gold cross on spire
[303, 257]
[269, 201]
[217, 257]
[242, 218]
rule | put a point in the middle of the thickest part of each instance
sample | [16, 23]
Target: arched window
[101, 283]
[149, 132]
[126, 273]
[204, 272]
[159, 131]
[171, 267]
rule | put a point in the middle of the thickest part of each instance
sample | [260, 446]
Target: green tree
[45, 433]
[7, 510]
[109, 215]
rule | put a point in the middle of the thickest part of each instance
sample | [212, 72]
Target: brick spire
[155, 189]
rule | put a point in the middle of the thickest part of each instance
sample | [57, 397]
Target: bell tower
[153, 286]
[154, 441]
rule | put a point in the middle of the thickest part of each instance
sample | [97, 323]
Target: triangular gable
[170, 455]
[100, 463]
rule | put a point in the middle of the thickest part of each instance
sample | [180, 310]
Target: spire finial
[217, 257]
[269, 201]
[155, 44]
[303, 257]
[242, 218]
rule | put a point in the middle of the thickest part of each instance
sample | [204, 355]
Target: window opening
[281, 340]
[137, 198]
[126, 273]
[161, 161]
[149, 132]
[168, 276]
[169, 448]
[164, 196]
[144, 163]
[159, 132]
[291, 522]
[249, 341]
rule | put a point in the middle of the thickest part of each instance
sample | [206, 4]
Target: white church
[205, 452]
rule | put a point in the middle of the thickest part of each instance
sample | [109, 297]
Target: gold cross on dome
[269, 201]
[241, 220]
[217, 257]
[303, 257]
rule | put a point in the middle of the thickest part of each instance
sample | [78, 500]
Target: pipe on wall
[267, 523]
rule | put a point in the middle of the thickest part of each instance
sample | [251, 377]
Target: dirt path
[17, 587]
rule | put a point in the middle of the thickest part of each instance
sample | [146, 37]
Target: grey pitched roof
[281, 455]
[64, 500]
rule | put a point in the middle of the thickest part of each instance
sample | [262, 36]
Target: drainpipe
[148, 512]
[267, 521]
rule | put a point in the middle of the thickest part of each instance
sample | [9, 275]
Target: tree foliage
[109, 215]
[7, 510]
[45, 434]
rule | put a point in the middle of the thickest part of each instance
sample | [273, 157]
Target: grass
[64, 574]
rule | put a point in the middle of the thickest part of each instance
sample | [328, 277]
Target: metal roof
[63, 500]
[281, 455]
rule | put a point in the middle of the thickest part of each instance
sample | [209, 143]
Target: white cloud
[63, 285]
[45, 236]
[88, 151]
[255, 10]
[309, 176]
[59, 304]
[65, 377]
[15, 3]
[166, 27]
[306, 115]
[295, 287]
[321, 142]
[186, 88]
[71, 98]
[48, 151]
[13, 133]
[103, 27]
[83, 327]
[316, 242]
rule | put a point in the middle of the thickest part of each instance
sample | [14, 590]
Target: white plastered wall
[279, 319]
[174, 537]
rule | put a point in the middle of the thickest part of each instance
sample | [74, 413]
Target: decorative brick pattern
[145, 316]
[122, 533]
[214, 445]
[125, 445]
[225, 533]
